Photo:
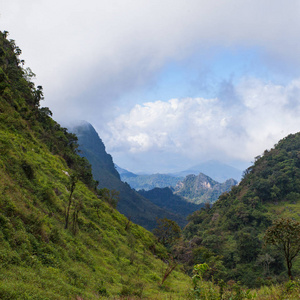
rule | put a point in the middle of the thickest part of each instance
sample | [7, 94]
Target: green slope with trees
[164, 198]
[230, 235]
[59, 236]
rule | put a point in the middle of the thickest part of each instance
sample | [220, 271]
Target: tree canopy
[285, 235]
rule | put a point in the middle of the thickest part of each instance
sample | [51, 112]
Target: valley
[70, 228]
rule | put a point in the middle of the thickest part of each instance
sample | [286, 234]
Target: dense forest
[231, 232]
[61, 236]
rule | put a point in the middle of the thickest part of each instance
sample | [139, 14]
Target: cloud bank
[88, 54]
[202, 129]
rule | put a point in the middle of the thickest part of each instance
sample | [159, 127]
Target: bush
[28, 170]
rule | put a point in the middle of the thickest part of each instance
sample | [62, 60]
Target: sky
[166, 84]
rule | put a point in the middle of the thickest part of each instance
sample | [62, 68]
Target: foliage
[110, 196]
[72, 185]
[167, 232]
[209, 290]
[231, 231]
[285, 235]
[165, 198]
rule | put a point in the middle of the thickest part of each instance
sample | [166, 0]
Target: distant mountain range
[202, 189]
[148, 182]
[217, 171]
[143, 208]
[220, 172]
[195, 189]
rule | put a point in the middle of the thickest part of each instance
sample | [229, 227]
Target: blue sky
[167, 84]
[201, 75]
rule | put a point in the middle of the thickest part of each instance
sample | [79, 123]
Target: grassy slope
[39, 259]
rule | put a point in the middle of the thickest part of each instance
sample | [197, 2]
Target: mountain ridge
[136, 207]
[214, 169]
[201, 188]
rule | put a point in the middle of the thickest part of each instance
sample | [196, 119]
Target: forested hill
[231, 231]
[136, 207]
[59, 237]
[165, 198]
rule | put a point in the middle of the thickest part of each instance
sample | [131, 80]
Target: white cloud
[94, 51]
[201, 129]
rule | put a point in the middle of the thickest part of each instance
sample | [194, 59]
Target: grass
[39, 259]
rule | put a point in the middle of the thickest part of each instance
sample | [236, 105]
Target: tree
[167, 231]
[38, 95]
[72, 185]
[110, 196]
[75, 216]
[285, 235]
[170, 268]
[265, 260]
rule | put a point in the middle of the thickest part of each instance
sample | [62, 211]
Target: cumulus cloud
[201, 129]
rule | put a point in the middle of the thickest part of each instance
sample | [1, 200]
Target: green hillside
[95, 252]
[164, 197]
[229, 235]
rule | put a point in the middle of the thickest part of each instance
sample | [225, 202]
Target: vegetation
[216, 290]
[285, 235]
[166, 199]
[167, 232]
[229, 236]
[60, 238]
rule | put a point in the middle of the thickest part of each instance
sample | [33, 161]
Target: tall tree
[72, 185]
[285, 235]
[167, 231]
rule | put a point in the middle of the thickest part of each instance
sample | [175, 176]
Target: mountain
[231, 232]
[164, 198]
[59, 239]
[125, 173]
[202, 189]
[139, 209]
[218, 171]
[148, 182]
